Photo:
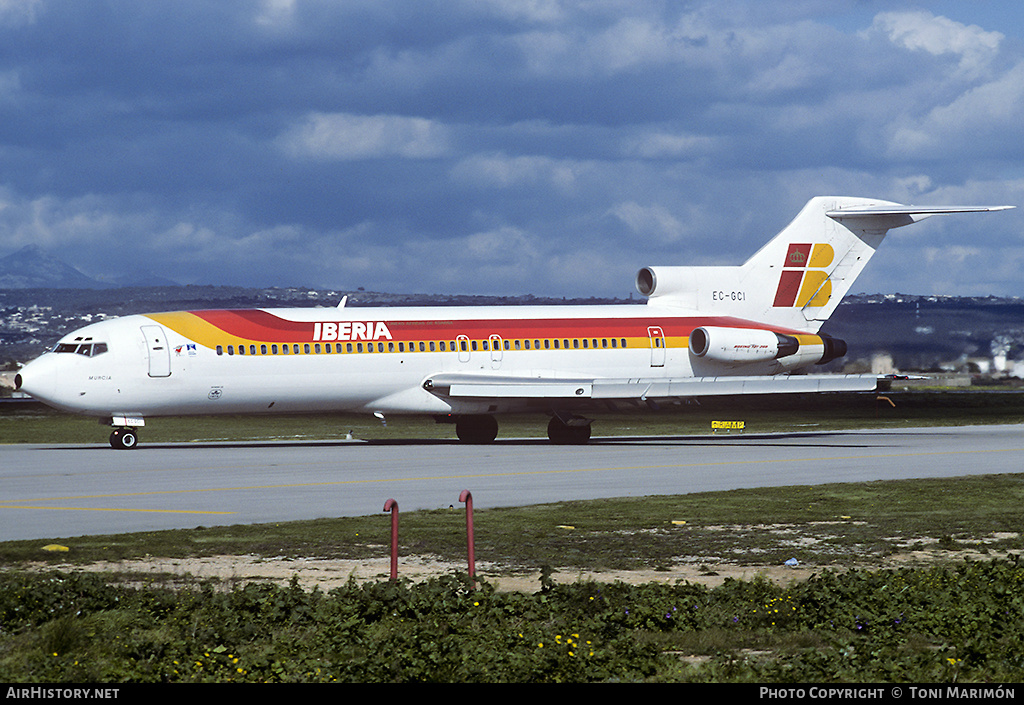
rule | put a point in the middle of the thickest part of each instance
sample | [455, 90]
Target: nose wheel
[124, 439]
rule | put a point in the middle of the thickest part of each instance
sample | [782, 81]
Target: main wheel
[476, 429]
[562, 433]
[124, 439]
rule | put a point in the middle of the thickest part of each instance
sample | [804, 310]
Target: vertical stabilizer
[799, 277]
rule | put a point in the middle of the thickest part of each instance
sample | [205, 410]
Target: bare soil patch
[328, 574]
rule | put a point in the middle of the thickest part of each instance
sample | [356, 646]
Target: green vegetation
[943, 624]
[942, 618]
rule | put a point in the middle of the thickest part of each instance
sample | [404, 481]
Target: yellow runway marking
[41, 503]
[110, 509]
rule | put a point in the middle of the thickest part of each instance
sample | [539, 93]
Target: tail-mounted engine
[746, 345]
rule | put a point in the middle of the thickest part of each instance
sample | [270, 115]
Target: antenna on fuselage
[344, 300]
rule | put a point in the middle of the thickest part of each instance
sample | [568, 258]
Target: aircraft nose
[33, 380]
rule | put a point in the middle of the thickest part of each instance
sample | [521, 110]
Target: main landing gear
[569, 431]
[562, 430]
[124, 439]
[476, 429]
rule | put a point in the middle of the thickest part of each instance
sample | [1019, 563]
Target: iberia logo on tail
[804, 280]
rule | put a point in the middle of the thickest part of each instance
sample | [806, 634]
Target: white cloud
[922, 31]
[657, 144]
[344, 136]
[984, 121]
[650, 222]
[18, 13]
[503, 171]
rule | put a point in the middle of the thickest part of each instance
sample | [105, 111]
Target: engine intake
[745, 345]
[741, 344]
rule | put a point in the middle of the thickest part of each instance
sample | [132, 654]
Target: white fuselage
[364, 359]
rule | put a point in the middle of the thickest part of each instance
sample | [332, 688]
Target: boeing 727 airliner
[721, 330]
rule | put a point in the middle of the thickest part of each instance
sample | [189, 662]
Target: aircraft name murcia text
[351, 330]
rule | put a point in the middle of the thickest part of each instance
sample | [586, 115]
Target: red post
[392, 506]
[468, 499]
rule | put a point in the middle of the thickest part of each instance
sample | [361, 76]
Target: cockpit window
[86, 349]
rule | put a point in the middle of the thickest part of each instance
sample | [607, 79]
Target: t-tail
[798, 279]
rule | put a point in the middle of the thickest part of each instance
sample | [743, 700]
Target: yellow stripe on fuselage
[196, 329]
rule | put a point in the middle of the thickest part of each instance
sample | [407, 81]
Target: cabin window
[285, 350]
[556, 343]
[316, 348]
[547, 344]
[263, 349]
[231, 350]
[518, 345]
[348, 347]
[220, 350]
[442, 346]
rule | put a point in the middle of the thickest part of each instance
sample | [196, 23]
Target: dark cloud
[501, 146]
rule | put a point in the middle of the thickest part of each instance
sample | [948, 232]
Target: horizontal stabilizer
[894, 215]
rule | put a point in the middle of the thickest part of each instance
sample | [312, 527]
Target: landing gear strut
[124, 439]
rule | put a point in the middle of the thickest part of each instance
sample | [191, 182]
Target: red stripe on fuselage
[259, 325]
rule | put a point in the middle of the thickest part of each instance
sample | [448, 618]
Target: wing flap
[493, 387]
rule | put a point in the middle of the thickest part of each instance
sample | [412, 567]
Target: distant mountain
[32, 268]
[142, 278]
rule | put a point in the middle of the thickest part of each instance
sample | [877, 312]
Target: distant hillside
[32, 268]
[921, 332]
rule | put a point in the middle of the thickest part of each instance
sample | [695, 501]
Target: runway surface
[58, 491]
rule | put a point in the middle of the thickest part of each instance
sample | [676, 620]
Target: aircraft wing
[484, 386]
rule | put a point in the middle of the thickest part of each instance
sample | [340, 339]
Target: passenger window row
[462, 345]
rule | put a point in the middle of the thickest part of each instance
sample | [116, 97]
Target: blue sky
[504, 146]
